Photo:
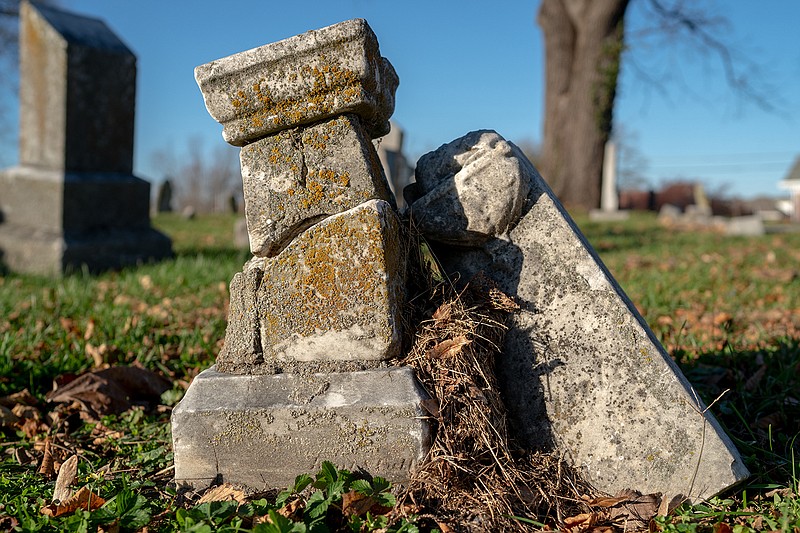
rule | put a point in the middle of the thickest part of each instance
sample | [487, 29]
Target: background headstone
[73, 201]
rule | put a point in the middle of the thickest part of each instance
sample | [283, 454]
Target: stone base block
[36, 251]
[52, 200]
[261, 431]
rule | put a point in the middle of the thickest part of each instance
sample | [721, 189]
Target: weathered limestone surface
[472, 190]
[263, 430]
[335, 293]
[305, 78]
[301, 175]
[72, 201]
[580, 369]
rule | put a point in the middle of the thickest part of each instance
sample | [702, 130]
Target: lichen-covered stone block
[298, 176]
[302, 79]
[335, 293]
[261, 431]
[580, 368]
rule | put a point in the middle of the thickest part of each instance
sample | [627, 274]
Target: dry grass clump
[476, 477]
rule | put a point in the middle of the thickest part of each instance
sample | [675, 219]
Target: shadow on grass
[761, 408]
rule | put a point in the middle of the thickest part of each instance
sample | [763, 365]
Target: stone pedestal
[325, 289]
[73, 201]
[263, 430]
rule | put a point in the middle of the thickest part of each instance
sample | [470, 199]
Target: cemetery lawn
[726, 308]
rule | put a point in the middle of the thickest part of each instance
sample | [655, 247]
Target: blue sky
[466, 65]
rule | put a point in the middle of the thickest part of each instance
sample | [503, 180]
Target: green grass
[727, 309]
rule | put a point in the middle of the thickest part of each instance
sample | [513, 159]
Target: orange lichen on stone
[306, 173]
[343, 275]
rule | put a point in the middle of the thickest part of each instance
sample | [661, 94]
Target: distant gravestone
[164, 198]
[73, 200]
[580, 369]
[399, 172]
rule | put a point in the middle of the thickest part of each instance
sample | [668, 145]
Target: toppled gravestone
[580, 369]
[73, 201]
[317, 309]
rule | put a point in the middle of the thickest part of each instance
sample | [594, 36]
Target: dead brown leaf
[89, 333]
[355, 503]
[223, 493]
[48, 467]
[66, 476]
[443, 313]
[7, 417]
[112, 390]
[292, 510]
[753, 381]
[97, 353]
[448, 348]
[583, 522]
[83, 499]
[8, 523]
[722, 527]
[22, 397]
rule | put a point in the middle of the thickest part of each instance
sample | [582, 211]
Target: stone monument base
[261, 431]
[37, 251]
[52, 222]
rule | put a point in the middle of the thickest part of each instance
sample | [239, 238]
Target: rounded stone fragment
[470, 190]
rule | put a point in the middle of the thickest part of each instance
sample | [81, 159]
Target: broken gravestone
[317, 311]
[580, 369]
[73, 201]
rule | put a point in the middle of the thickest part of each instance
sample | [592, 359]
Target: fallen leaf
[7, 417]
[753, 381]
[22, 397]
[637, 509]
[444, 312]
[722, 527]
[356, 504]
[47, 468]
[432, 406]
[292, 510]
[89, 330]
[112, 390]
[223, 493]
[83, 499]
[66, 476]
[8, 523]
[582, 522]
[773, 419]
[97, 353]
[448, 348]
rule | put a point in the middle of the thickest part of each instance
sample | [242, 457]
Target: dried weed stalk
[476, 477]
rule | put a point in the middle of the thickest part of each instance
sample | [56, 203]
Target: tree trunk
[583, 42]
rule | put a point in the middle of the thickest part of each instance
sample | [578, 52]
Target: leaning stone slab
[263, 430]
[580, 369]
[299, 176]
[335, 293]
[308, 77]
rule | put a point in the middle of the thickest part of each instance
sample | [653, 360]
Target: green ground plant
[726, 308]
